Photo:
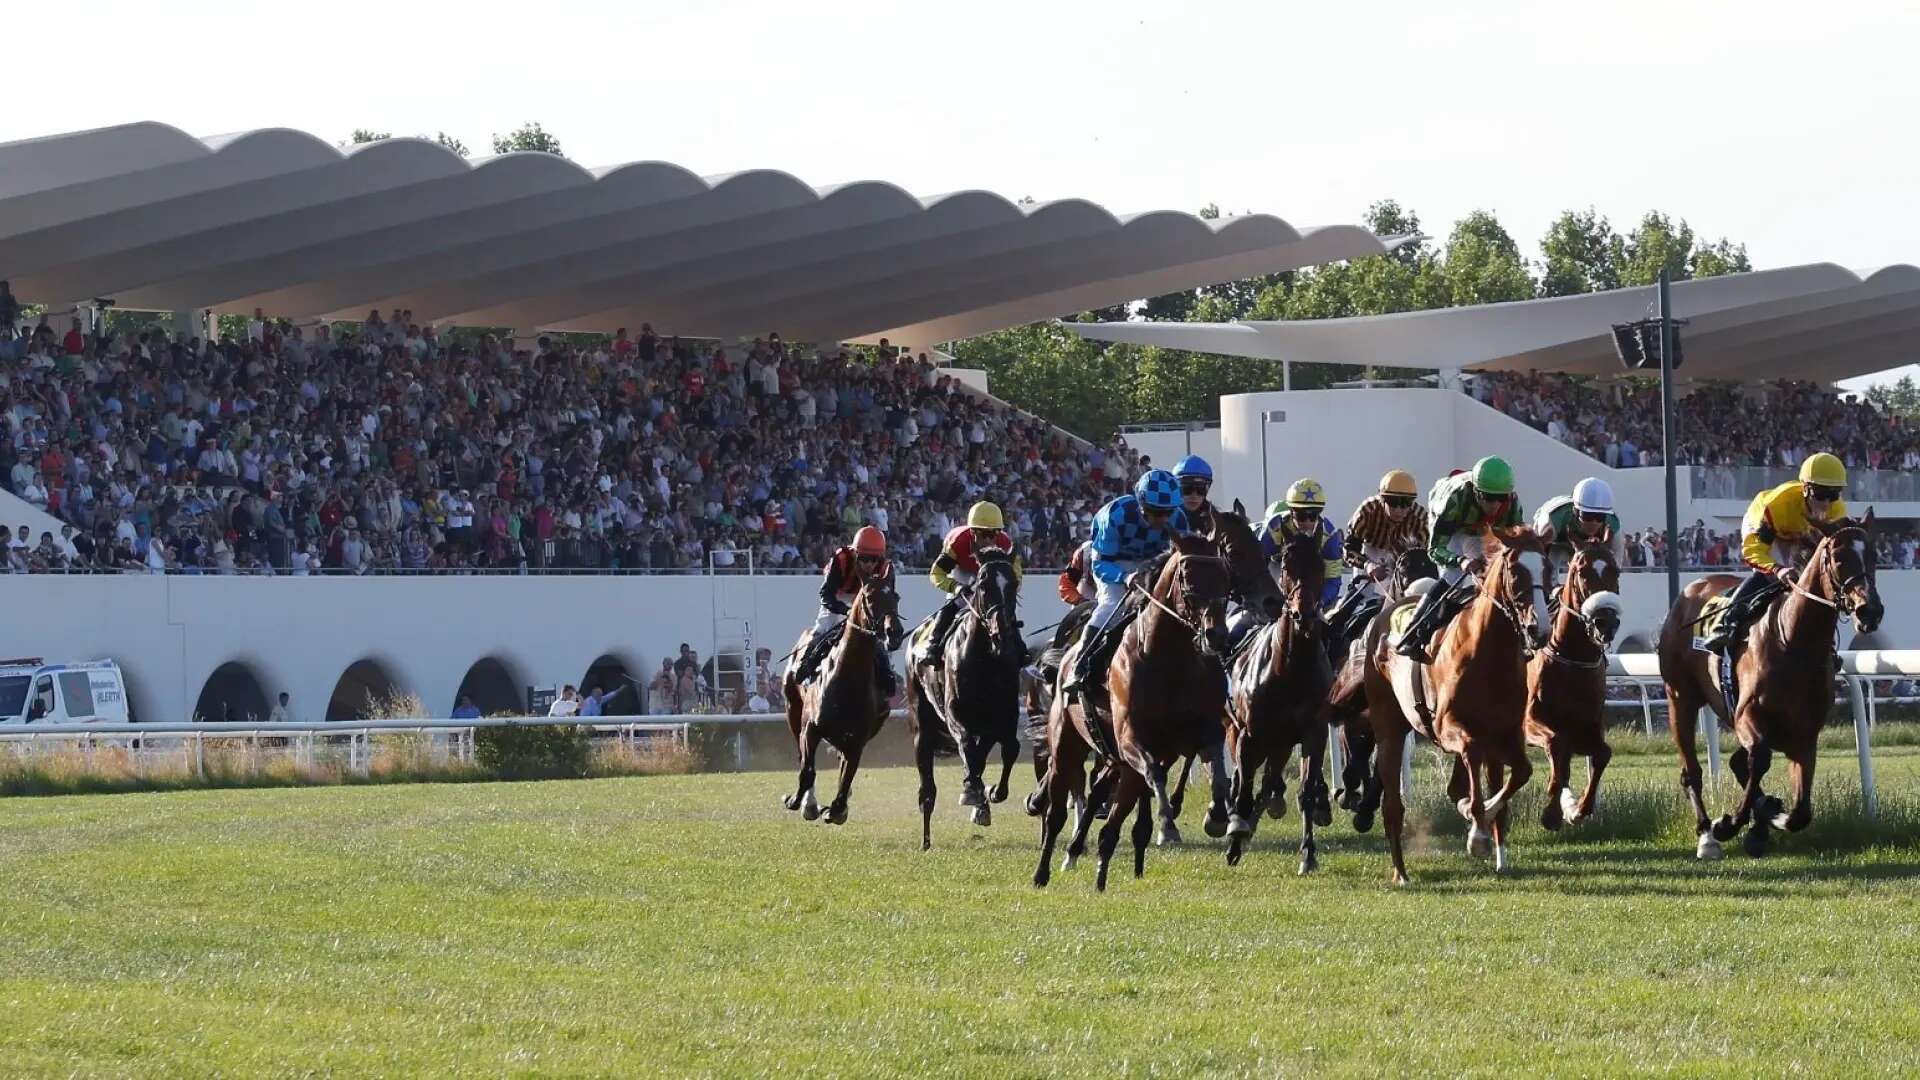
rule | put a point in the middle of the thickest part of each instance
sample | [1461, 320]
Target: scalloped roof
[1820, 321]
[278, 219]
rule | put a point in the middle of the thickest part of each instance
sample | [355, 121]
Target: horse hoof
[972, 796]
[1755, 842]
[1501, 863]
[1724, 829]
[1169, 835]
[1551, 818]
[836, 815]
[1322, 814]
[1239, 828]
[1277, 808]
[1215, 827]
[1041, 877]
[1570, 806]
[998, 793]
[1234, 850]
[1363, 821]
[1066, 864]
[1465, 806]
[1400, 877]
[1100, 879]
[1708, 849]
[982, 815]
[1308, 864]
[1347, 798]
[1034, 809]
[790, 803]
[809, 807]
[1479, 841]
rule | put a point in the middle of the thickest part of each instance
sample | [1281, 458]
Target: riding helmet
[1493, 476]
[1398, 482]
[1593, 496]
[1195, 466]
[985, 515]
[1306, 494]
[1158, 490]
[1823, 469]
[869, 541]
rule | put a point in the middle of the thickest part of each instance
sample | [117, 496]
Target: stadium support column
[189, 324]
[1667, 350]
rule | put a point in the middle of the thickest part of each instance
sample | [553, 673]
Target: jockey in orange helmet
[851, 566]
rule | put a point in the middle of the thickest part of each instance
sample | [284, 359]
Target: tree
[1483, 264]
[1052, 371]
[1581, 253]
[1656, 244]
[1386, 218]
[1900, 398]
[528, 136]
[1723, 256]
[450, 143]
[367, 135]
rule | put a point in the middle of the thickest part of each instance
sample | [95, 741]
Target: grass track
[686, 925]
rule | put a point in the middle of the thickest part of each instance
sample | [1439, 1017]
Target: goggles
[1398, 502]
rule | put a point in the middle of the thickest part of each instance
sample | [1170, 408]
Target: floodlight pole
[1666, 442]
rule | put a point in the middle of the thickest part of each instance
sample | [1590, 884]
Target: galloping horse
[1469, 701]
[1567, 682]
[1167, 690]
[1280, 684]
[1783, 679]
[1347, 700]
[843, 705]
[972, 702]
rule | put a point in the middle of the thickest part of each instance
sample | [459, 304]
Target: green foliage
[1483, 264]
[528, 136]
[367, 135]
[1900, 398]
[1050, 371]
[1581, 253]
[450, 143]
[533, 752]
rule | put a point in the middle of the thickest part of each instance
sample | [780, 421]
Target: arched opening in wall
[233, 693]
[1633, 643]
[139, 702]
[493, 688]
[367, 690]
[620, 695]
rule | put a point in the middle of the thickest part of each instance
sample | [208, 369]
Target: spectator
[566, 704]
[278, 714]
[465, 709]
[591, 706]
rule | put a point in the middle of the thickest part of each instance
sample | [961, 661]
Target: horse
[1567, 683]
[1279, 686]
[1167, 690]
[843, 705]
[1469, 701]
[973, 702]
[1783, 677]
[1347, 700]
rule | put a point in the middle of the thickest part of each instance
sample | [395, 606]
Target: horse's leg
[1559, 763]
[1518, 770]
[1180, 788]
[1070, 771]
[1127, 789]
[1760, 758]
[1156, 781]
[1471, 761]
[1590, 799]
[973, 789]
[1683, 713]
[1314, 802]
[803, 798]
[1142, 832]
[849, 764]
[1386, 758]
[1497, 818]
[1248, 755]
[923, 759]
[1362, 748]
[1220, 783]
[1740, 763]
[1801, 769]
[1062, 778]
[1009, 753]
[1357, 745]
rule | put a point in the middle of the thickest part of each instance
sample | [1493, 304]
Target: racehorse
[1279, 686]
[973, 702]
[1167, 690]
[1469, 701]
[843, 705]
[1567, 682]
[1783, 678]
[1347, 700]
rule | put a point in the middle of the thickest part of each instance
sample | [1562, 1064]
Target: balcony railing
[1742, 482]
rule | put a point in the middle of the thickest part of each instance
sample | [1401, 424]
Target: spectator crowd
[388, 447]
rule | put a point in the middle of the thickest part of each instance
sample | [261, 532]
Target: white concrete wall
[15, 512]
[300, 634]
[1166, 448]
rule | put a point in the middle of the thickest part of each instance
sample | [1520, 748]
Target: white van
[33, 692]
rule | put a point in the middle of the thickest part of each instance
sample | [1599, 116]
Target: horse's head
[1195, 583]
[1303, 572]
[1846, 556]
[1253, 586]
[876, 609]
[1509, 585]
[996, 597]
[1592, 589]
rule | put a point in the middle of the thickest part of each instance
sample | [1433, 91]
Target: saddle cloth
[1712, 615]
[1401, 618]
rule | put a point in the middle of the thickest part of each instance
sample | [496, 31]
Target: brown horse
[973, 702]
[1167, 690]
[1567, 682]
[1280, 684]
[843, 705]
[1347, 700]
[1470, 702]
[1783, 678]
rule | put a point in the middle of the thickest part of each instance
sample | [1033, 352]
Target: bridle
[1183, 590]
[989, 616]
[1524, 627]
[1827, 554]
[1587, 622]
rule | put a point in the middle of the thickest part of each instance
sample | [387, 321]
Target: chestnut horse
[973, 702]
[1471, 703]
[1567, 682]
[843, 705]
[1347, 700]
[1783, 676]
[1167, 690]
[1280, 682]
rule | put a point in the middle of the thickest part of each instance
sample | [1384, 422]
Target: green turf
[687, 925]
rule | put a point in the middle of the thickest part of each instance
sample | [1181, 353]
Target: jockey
[1462, 506]
[1388, 524]
[1304, 511]
[957, 566]
[1195, 477]
[1076, 584]
[1776, 521]
[1585, 517]
[1128, 533]
[851, 566]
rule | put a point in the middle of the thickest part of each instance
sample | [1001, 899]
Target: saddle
[1418, 689]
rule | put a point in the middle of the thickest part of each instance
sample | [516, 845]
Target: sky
[1786, 127]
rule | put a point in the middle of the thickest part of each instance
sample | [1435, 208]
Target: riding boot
[1349, 602]
[816, 654]
[935, 657]
[1751, 595]
[1436, 607]
[1099, 645]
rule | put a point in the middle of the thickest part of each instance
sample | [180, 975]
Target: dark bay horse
[843, 705]
[1167, 690]
[1783, 677]
[1470, 701]
[1347, 700]
[1280, 682]
[973, 702]
[1567, 683]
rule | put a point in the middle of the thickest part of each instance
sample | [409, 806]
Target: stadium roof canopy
[1820, 322]
[160, 220]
